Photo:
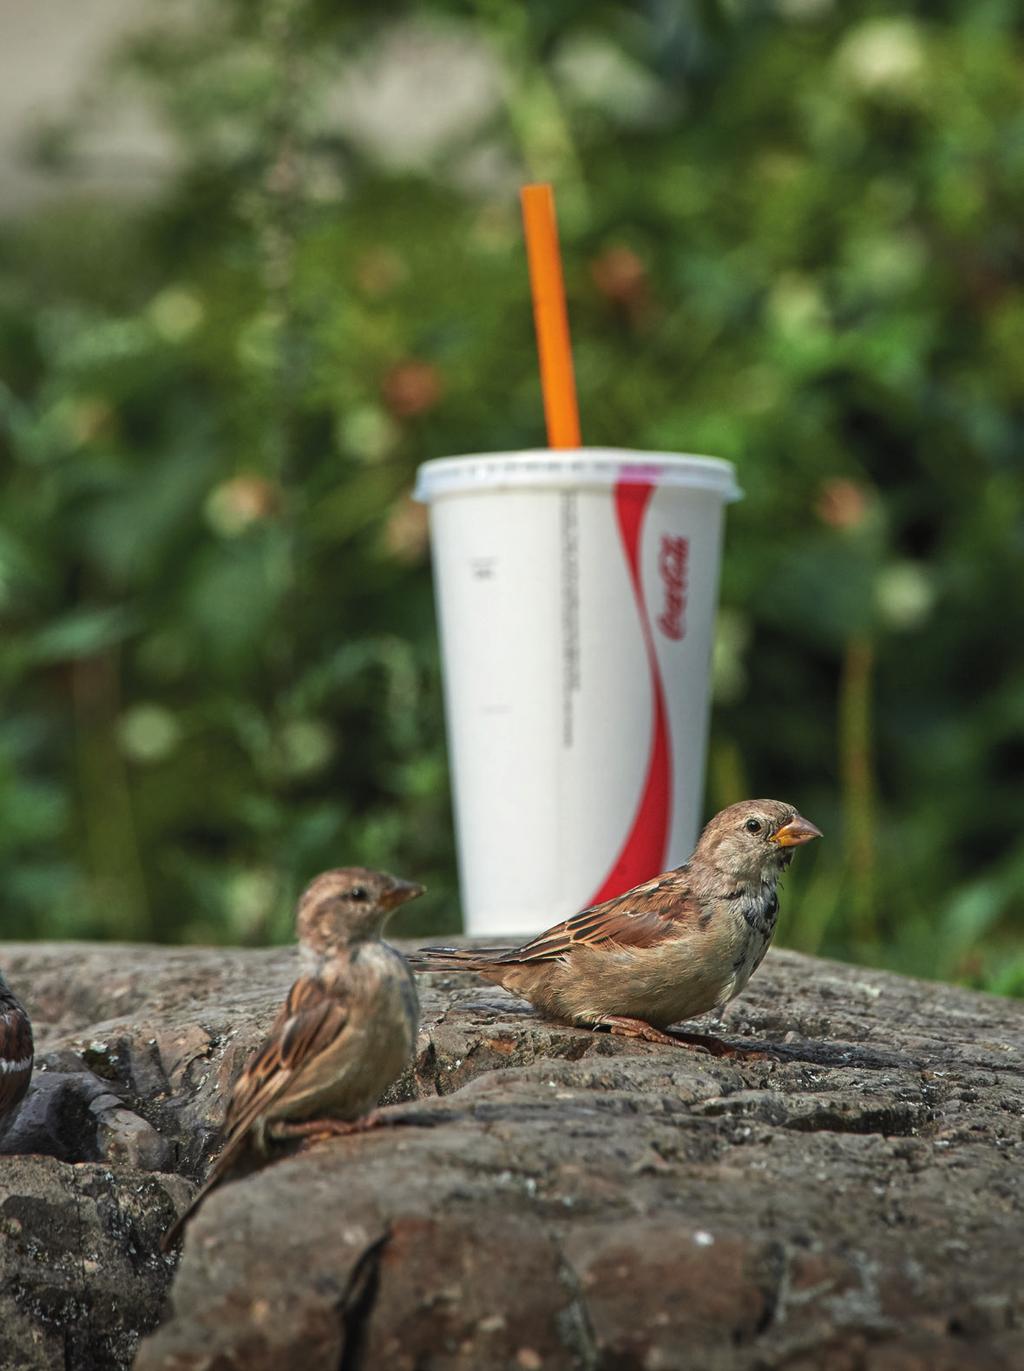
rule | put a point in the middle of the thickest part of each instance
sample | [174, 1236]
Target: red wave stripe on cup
[643, 852]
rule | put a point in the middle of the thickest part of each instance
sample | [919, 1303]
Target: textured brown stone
[81, 1275]
[853, 1198]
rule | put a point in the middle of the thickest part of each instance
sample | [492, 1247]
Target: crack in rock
[357, 1302]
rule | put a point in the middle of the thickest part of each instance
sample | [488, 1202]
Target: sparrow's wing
[642, 917]
[15, 1052]
[310, 1021]
[305, 993]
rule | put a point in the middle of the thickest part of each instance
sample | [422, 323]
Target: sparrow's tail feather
[227, 1166]
[455, 958]
[173, 1235]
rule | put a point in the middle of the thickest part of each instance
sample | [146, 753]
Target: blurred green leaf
[790, 238]
[82, 633]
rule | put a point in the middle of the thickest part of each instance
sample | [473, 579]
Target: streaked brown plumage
[344, 1034]
[16, 1052]
[679, 945]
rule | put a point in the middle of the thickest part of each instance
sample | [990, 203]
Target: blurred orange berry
[842, 503]
[247, 499]
[411, 388]
[406, 530]
[621, 277]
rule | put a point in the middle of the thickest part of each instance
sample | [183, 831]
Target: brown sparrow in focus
[16, 1052]
[344, 1034]
[679, 945]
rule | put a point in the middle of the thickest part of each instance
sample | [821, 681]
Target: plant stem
[118, 897]
[857, 781]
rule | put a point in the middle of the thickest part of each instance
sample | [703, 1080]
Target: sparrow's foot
[320, 1128]
[697, 1042]
[715, 1047]
[626, 1027]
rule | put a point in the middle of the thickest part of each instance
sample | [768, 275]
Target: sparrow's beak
[401, 892]
[796, 832]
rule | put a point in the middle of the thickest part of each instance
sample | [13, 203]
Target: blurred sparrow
[679, 945]
[16, 1052]
[344, 1034]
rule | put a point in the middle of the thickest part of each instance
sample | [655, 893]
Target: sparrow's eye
[358, 892]
[753, 825]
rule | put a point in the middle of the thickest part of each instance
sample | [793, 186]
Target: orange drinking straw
[549, 315]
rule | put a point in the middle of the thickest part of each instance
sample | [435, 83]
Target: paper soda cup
[576, 594]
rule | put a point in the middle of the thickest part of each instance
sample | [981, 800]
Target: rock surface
[852, 1198]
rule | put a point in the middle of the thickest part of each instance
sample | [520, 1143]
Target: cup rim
[594, 467]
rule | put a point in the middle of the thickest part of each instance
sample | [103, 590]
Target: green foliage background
[792, 238]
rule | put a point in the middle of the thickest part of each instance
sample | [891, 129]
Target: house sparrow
[679, 945]
[16, 1053]
[344, 1034]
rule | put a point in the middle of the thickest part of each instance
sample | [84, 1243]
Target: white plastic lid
[573, 467]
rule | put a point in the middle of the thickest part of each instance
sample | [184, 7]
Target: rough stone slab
[81, 1274]
[852, 1199]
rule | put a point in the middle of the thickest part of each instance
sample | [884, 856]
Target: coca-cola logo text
[672, 568]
